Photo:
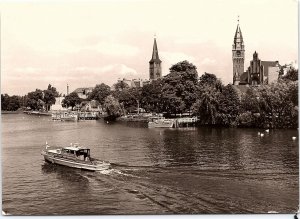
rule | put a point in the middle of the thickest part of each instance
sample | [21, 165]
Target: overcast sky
[88, 43]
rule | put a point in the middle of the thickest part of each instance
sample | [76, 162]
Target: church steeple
[155, 56]
[238, 55]
[238, 37]
[155, 63]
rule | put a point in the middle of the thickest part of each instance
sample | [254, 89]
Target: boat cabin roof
[76, 148]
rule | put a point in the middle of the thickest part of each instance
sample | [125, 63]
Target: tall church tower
[238, 55]
[155, 63]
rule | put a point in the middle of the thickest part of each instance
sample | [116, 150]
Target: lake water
[154, 171]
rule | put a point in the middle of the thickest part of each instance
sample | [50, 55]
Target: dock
[185, 122]
[37, 113]
[87, 115]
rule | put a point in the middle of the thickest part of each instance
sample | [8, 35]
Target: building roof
[268, 64]
[238, 37]
[155, 57]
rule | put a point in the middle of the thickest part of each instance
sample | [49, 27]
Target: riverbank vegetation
[183, 92]
[35, 100]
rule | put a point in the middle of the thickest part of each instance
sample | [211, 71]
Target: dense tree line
[10, 103]
[35, 100]
[181, 91]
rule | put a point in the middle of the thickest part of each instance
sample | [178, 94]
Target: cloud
[174, 57]
[115, 49]
[208, 61]
[120, 69]
[190, 40]
[27, 70]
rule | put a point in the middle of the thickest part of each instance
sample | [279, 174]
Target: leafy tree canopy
[179, 88]
[99, 93]
[10, 103]
[120, 85]
[112, 106]
[291, 75]
[71, 100]
[151, 96]
[128, 97]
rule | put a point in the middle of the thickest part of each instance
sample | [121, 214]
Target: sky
[84, 43]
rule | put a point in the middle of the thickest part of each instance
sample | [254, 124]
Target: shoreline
[10, 112]
[145, 121]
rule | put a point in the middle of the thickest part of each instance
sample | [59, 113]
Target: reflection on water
[154, 171]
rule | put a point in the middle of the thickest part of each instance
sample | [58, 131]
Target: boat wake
[115, 172]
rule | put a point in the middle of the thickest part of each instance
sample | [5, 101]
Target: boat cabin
[76, 152]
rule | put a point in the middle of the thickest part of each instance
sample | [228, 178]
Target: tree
[171, 103]
[208, 79]
[151, 96]
[113, 107]
[34, 100]
[228, 106]
[179, 88]
[99, 93]
[249, 101]
[249, 112]
[71, 100]
[4, 101]
[128, 97]
[206, 105]
[121, 85]
[49, 96]
[277, 106]
[10, 103]
[54, 91]
[291, 75]
[293, 92]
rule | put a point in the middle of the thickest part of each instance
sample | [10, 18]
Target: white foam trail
[114, 171]
[106, 172]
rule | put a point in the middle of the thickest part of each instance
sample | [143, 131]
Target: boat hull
[161, 123]
[95, 166]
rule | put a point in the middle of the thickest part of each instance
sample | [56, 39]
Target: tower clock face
[238, 53]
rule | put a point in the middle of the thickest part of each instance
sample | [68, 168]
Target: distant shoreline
[10, 112]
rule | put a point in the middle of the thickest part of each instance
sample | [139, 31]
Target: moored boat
[64, 116]
[74, 156]
[161, 123]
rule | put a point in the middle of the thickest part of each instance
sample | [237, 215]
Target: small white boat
[74, 156]
[64, 116]
[161, 123]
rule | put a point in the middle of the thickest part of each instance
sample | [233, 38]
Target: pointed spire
[238, 37]
[155, 52]
[155, 56]
[255, 55]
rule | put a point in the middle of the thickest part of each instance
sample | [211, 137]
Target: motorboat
[64, 116]
[74, 156]
[161, 123]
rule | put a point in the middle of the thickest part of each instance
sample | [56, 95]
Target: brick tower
[238, 55]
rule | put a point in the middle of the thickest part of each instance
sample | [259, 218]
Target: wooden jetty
[185, 122]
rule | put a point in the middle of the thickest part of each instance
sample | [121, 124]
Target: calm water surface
[154, 171]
